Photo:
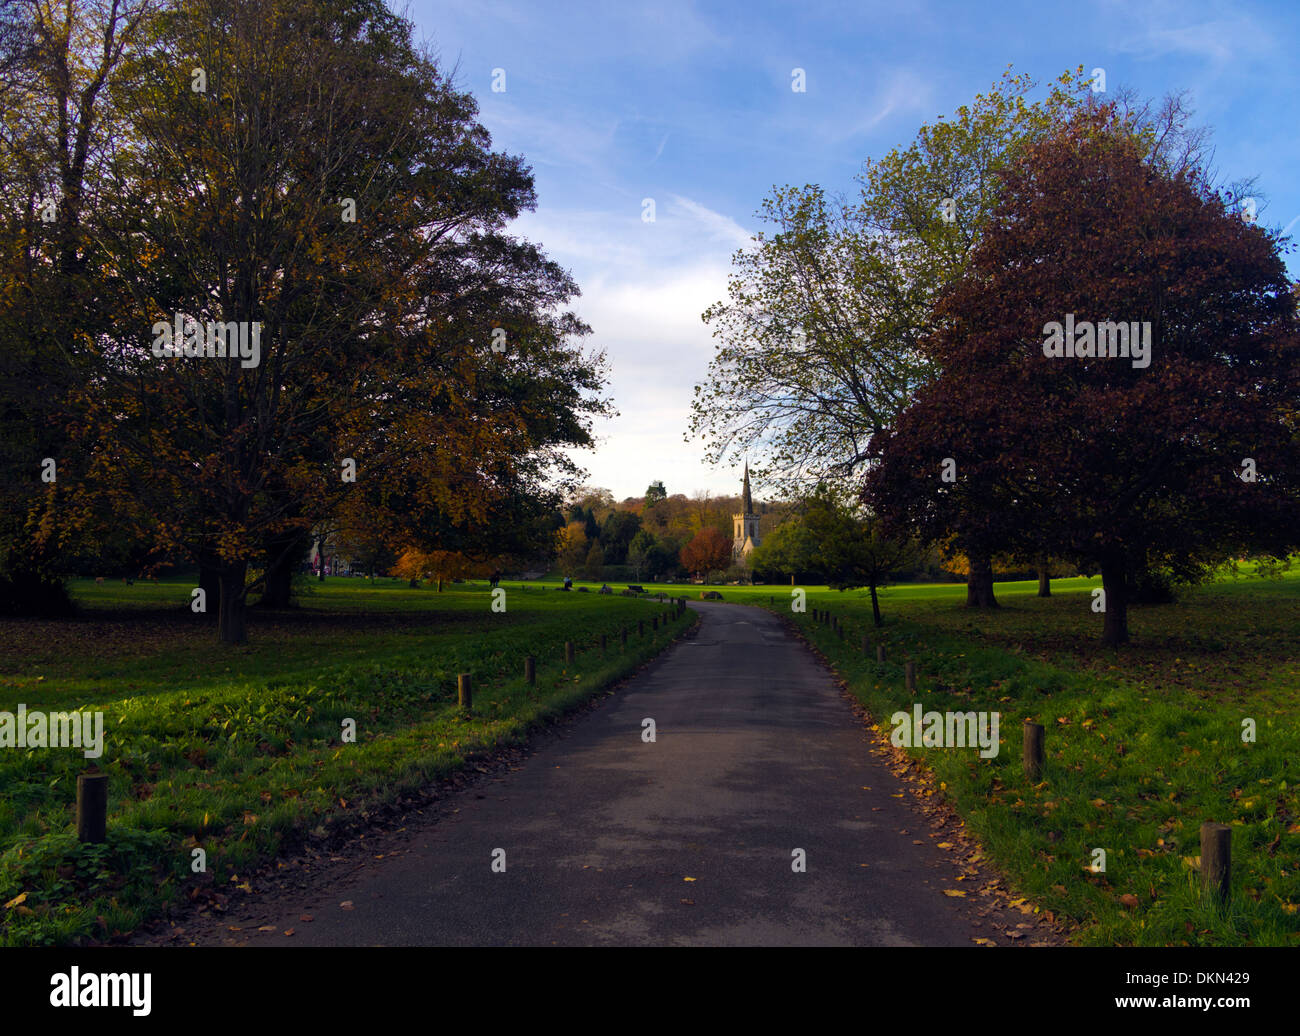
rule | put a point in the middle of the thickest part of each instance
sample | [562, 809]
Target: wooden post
[92, 807]
[1033, 752]
[1216, 859]
[654, 623]
[568, 652]
[880, 653]
[530, 669]
[909, 674]
[465, 691]
[623, 639]
[640, 627]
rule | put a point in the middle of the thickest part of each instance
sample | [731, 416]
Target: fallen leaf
[1129, 900]
[16, 901]
[346, 904]
[954, 892]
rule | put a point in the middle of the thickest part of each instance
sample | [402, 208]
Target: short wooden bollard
[654, 623]
[568, 652]
[640, 627]
[909, 675]
[880, 653]
[622, 636]
[1033, 752]
[530, 669]
[1216, 859]
[465, 691]
[814, 615]
[92, 807]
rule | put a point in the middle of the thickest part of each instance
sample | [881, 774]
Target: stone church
[746, 536]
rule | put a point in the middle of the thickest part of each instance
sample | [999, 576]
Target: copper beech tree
[1026, 444]
[709, 551]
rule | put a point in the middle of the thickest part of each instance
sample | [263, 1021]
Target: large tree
[414, 371]
[819, 338]
[1185, 450]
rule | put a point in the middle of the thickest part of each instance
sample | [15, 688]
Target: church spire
[748, 504]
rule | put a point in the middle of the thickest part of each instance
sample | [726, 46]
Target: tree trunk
[875, 607]
[284, 553]
[979, 583]
[1044, 580]
[278, 589]
[231, 628]
[1114, 582]
[210, 584]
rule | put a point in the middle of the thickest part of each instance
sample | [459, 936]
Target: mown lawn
[1144, 744]
[239, 752]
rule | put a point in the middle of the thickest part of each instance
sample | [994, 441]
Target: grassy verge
[1143, 744]
[240, 752]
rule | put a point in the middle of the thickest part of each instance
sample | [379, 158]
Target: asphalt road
[611, 840]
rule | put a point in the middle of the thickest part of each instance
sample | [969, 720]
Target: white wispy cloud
[720, 227]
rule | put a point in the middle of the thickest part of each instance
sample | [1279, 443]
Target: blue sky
[691, 104]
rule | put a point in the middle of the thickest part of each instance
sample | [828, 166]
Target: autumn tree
[708, 551]
[574, 547]
[356, 216]
[819, 338]
[1177, 443]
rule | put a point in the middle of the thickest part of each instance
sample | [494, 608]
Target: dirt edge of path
[945, 823]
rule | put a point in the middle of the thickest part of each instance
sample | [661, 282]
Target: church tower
[745, 537]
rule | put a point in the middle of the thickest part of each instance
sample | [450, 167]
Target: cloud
[644, 287]
[720, 227]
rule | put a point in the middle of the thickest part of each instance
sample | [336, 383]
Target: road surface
[610, 839]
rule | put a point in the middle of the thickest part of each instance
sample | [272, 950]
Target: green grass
[1144, 744]
[238, 751]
